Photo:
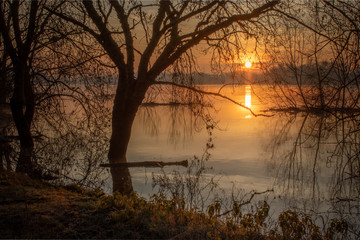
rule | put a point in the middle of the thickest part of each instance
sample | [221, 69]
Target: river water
[309, 162]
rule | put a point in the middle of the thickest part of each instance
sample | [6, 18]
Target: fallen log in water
[145, 164]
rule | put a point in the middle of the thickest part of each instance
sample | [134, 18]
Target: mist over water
[296, 155]
[309, 161]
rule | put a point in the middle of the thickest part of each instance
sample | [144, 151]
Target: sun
[248, 64]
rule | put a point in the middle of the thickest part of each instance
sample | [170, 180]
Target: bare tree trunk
[126, 104]
[4, 88]
[121, 129]
[23, 96]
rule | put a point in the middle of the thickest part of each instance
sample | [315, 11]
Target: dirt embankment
[34, 209]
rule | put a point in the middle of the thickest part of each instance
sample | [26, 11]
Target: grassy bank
[35, 209]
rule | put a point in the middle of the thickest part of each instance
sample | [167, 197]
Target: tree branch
[211, 94]
[5, 34]
[166, 59]
[105, 39]
[14, 9]
[31, 27]
[156, 35]
[75, 22]
[146, 164]
[344, 15]
[246, 202]
[128, 36]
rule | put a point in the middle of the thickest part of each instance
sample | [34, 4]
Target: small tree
[40, 61]
[314, 49]
[21, 25]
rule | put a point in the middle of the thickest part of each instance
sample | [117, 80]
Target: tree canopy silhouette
[41, 59]
[22, 26]
[170, 30]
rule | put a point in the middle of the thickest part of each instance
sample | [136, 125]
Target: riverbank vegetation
[37, 209]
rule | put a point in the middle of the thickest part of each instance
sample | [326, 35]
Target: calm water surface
[297, 156]
[311, 162]
[171, 134]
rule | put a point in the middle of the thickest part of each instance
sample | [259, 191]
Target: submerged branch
[155, 104]
[145, 164]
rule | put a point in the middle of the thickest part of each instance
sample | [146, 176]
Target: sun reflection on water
[248, 98]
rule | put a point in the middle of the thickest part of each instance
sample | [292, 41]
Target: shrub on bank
[33, 209]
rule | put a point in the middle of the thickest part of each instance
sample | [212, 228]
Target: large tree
[143, 40]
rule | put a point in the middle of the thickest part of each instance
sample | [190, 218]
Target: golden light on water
[248, 99]
[248, 64]
[248, 96]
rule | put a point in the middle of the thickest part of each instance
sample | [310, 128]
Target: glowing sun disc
[248, 64]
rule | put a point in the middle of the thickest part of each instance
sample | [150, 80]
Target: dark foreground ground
[35, 209]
